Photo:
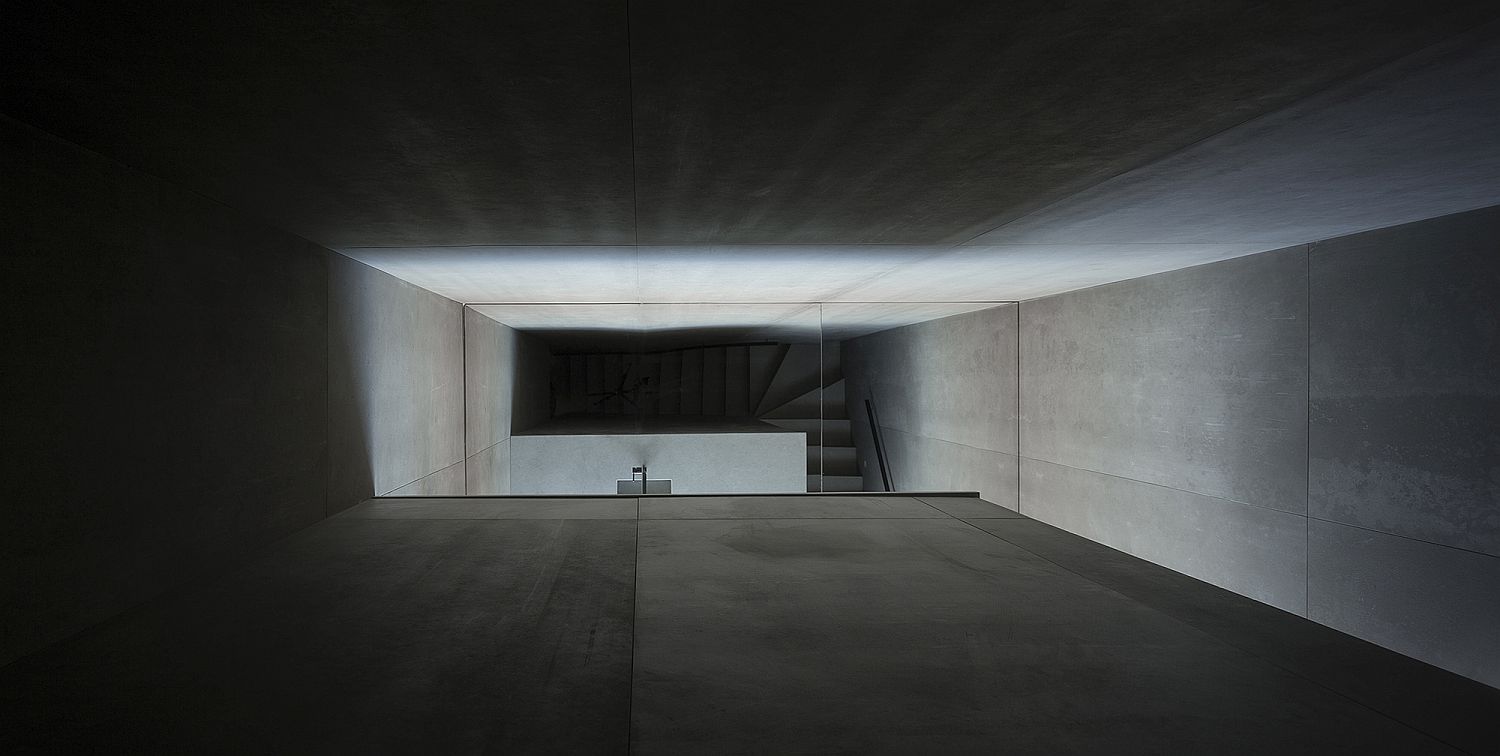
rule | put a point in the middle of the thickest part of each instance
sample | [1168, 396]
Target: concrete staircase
[792, 386]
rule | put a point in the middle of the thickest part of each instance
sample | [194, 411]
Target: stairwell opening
[719, 399]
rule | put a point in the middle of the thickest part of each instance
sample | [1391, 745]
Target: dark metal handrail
[880, 458]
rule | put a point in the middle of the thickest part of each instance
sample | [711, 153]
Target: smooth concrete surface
[487, 472]
[1405, 378]
[489, 381]
[375, 127]
[508, 508]
[898, 124]
[1433, 700]
[923, 378]
[166, 380]
[785, 507]
[449, 481]
[945, 395]
[595, 424]
[1402, 142]
[1408, 141]
[1196, 126]
[396, 375]
[359, 636]
[912, 124]
[760, 462]
[1352, 381]
[1195, 380]
[507, 388]
[1435, 603]
[918, 463]
[427, 626]
[1254, 551]
[968, 508]
[931, 635]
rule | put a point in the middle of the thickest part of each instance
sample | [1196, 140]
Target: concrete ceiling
[782, 152]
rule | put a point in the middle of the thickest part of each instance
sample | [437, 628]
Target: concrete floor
[854, 624]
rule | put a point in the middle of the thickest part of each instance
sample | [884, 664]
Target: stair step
[736, 381]
[839, 483]
[839, 460]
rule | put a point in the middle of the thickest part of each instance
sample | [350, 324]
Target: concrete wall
[166, 371]
[1318, 428]
[945, 391]
[396, 406]
[186, 385]
[1404, 475]
[1167, 417]
[507, 389]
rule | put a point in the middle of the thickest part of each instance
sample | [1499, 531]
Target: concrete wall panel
[951, 379]
[1405, 381]
[489, 380]
[1194, 380]
[449, 481]
[507, 388]
[1437, 603]
[945, 392]
[396, 383]
[487, 472]
[929, 464]
[1254, 551]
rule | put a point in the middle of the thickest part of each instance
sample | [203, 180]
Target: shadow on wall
[350, 475]
[531, 400]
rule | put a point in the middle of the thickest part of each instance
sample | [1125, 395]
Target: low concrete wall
[696, 463]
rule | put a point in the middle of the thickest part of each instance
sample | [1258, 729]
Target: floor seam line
[935, 509]
[635, 589]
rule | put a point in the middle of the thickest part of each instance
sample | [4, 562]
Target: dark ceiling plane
[379, 124]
